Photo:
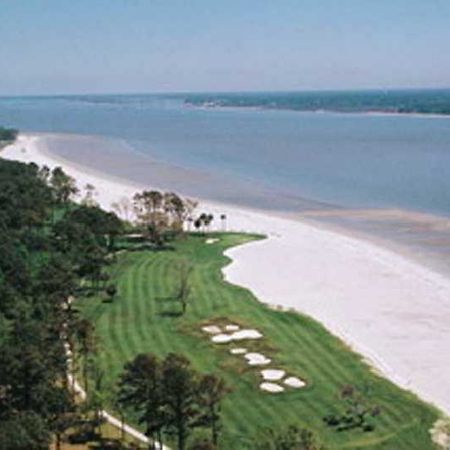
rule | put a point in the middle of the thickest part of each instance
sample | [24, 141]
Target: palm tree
[208, 221]
[223, 218]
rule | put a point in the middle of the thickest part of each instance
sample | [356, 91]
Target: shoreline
[325, 275]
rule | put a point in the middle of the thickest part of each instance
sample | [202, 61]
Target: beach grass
[143, 318]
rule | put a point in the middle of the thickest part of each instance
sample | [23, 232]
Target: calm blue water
[346, 160]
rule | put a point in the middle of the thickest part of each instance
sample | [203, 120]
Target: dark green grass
[141, 320]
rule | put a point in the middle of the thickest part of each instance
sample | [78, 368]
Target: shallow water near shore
[385, 178]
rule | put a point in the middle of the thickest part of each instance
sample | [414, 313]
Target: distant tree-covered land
[430, 101]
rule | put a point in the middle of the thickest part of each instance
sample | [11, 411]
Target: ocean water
[274, 159]
[382, 177]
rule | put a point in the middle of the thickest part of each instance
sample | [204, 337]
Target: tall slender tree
[85, 335]
[140, 388]
[180, 387]
[211, 390]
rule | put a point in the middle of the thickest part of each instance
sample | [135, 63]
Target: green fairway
[141, 319]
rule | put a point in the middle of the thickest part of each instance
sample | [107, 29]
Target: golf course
[144, 317]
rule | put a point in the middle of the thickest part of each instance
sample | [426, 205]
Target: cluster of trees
[170, 398]
[8, 135]
[358, 411]
[161, 214]
[291, 438]
[47, 245]
[203, 221]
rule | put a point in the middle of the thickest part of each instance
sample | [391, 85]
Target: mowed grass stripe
[144, 308]
[137, 322]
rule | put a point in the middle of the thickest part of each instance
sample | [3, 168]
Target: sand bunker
[271, 387]
[212, 329]
[238, 351]
[294, 382]
[236, 336]
[257, 359]
[231, 327]
[246, 334]
[273, 374]
[222, 338]
[211, 240]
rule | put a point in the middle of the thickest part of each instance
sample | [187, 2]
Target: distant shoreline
[422, 115]
[396, 102]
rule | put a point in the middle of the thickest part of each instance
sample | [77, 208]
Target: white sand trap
[257, 359]
[271, 387]
[212, 240]
[273, 374]
[222, 338]
[231, 327]
[246, 334]
[238, 351]
[236, 336]
[212, 329]
[294, 382]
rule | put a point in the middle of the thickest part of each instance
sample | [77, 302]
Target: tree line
[47, 246]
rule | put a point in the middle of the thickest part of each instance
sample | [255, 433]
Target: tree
[184, 286]
[159, 212]
[96, 398]
[202, 444]
[180, 387]
[223, 219]
[90, 193]
[24, 198]
[358, 411]
[8, 135]
[212, 389]
[140, 388]
[123, 208]
[176, 208]
[197, 224]
[64, 186]
[291, 438]
[208, 220]
[111, 291]
[105, 226]
[204, 220]
[85, 335]
[24, 431]
[63, 413]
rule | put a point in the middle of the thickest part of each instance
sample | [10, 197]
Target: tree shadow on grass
[149, 247]
[170, 314]
[167, 304]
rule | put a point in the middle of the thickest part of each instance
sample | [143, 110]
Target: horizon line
[250, 91]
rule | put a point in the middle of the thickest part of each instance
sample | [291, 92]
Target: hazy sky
[77, 46]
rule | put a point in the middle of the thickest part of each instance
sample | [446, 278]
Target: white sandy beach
[394, 312]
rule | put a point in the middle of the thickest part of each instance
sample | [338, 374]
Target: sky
[120, 46]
